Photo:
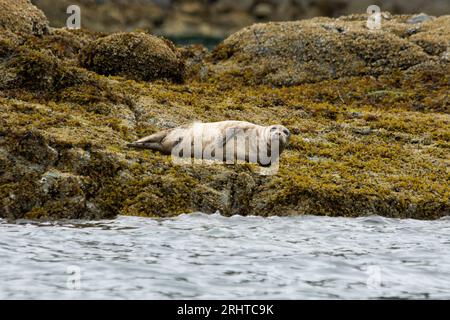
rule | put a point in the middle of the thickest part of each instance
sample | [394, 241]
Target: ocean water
[201, 256]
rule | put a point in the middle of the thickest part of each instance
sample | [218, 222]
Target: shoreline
[369, 135]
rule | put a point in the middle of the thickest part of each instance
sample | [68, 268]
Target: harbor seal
[224, 141]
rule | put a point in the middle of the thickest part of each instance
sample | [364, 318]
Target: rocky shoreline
[369, 113]
[215, 19]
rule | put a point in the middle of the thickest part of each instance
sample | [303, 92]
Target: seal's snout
[280, 132]
[284, 135]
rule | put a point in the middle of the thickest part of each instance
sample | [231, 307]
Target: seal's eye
[273, 129]
[286, 132]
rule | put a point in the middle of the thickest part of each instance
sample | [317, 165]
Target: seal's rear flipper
[150, 145]
[153, 141]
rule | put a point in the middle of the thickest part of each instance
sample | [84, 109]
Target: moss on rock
[22, 18]
[65, 44]
[290, 53]
[32, 70]
[138, 56]
[374, 140]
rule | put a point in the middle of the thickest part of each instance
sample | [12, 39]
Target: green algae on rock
[374, 140]
[362, 157]
[138, 56]
[63, 43]
[31, 69]
[290, 53]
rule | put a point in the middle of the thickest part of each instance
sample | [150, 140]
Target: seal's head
[279, 132]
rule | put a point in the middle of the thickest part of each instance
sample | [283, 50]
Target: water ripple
[214, 257]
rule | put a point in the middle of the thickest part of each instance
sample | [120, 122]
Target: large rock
[361, 145]
[21, 17]
[30, 185]
[21, 67]
[432, 35]
[289, 53]
[137, 56]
